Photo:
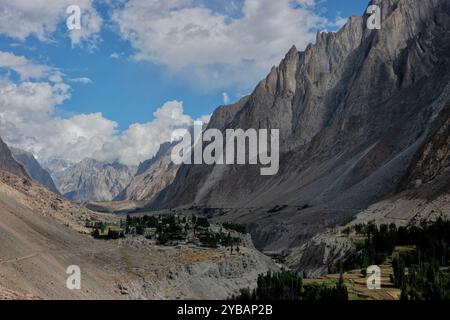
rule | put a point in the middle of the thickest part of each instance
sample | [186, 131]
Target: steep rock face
[8, 163]
[93, 180]
[152, 176]
[429, 173]
[423, 195]
[352, 110]
[34, 169]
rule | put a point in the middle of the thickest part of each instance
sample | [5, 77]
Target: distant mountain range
[90, 179]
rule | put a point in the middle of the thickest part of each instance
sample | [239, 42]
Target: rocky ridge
[33, 168]
[152, 176]
[8, 163]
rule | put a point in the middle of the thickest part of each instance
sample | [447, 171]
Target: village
[171, 230]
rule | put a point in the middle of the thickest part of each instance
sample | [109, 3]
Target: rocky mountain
[34, 169]
[92, 180]
[353, 110]
[55, 165]
[8, 163]
[152, 176]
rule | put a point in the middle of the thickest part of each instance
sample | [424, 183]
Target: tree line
[286, 285]
[421, 268]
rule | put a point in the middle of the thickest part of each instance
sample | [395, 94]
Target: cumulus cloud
[142, 141]
[21, 18]
[25, 68]
[187, 36]
[24, 110]
[28, 120]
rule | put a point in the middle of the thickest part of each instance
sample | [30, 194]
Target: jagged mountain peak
[152, 176]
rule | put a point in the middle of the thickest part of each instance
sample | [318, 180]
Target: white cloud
[212, 46]
[28, 120]
[114, 55]
[141, 141]
[25, 110]
[20, 19]
[28, 69]
[25, 68]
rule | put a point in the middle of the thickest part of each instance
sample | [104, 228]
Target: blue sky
[131, 75]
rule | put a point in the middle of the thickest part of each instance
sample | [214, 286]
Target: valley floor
[41, 235]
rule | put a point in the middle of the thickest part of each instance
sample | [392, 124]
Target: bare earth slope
[36, 250]
[41, 234]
